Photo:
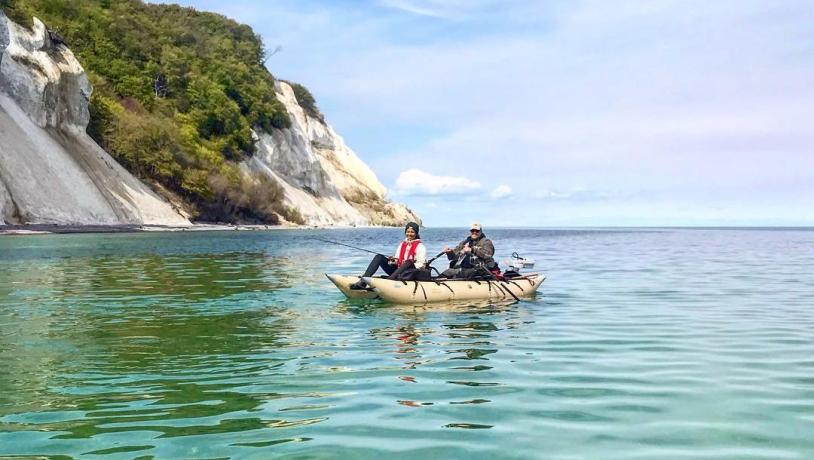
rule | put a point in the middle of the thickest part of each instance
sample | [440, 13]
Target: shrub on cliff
[176, 91]
[306, 100]
[8, 8]
[256, 198]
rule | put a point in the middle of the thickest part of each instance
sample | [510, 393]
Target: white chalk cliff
[51, 171]
[323, 179]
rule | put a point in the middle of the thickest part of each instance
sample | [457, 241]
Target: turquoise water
[668, 344]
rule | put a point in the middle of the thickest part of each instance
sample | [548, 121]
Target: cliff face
[321, 176]
[51, 171]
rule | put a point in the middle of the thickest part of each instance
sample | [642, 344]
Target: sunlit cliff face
[51, 171]
[322, 177]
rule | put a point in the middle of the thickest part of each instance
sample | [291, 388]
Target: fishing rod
[433, 259]
[428, 264]
[350, 246]
[374, 252]
[458, 261]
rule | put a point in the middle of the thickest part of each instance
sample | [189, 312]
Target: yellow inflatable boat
[442, 290]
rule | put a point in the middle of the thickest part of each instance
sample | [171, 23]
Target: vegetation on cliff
[176, 95]
[306, 100]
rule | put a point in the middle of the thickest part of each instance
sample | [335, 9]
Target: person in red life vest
[406, 264]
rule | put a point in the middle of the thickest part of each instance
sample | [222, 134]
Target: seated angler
[408, 263]
[474, 254]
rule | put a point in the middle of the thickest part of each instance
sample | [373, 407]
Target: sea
[642, 343]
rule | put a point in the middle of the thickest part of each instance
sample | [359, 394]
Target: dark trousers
[379, 261]
[404, 271]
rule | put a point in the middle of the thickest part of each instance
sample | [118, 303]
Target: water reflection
[167, 346]
[110, 281]
[142, 343]
[134, 373]
[431, 341]
[368, 307]
[161, 346]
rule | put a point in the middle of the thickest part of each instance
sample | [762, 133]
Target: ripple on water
[662, 343]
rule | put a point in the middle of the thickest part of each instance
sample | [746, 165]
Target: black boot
[359, 285]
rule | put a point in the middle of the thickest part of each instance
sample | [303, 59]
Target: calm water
[668, 344]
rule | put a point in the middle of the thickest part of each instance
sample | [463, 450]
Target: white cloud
[446, 9]
[417, 182]
[583, 195]
[414, 7]
[551, 195]
[501, 191]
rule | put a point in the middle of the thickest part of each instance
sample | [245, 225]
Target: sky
[563, 113]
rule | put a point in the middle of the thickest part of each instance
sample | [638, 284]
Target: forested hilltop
[176, 95]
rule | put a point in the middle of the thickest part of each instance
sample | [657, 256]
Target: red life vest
[410, 252]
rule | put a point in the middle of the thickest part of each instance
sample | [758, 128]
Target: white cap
[475, 226]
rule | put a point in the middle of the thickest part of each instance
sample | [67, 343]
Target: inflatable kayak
[442, 290]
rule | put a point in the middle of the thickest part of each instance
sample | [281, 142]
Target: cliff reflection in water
[113, 344]
[180, 277]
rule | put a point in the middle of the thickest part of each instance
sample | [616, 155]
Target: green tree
[306, 100]
[177, 93]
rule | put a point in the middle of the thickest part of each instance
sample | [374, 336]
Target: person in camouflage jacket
[470, 254]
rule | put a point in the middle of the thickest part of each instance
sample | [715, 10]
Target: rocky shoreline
[48, 229]
[36, 229]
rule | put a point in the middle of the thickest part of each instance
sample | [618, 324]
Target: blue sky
[563, 113]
